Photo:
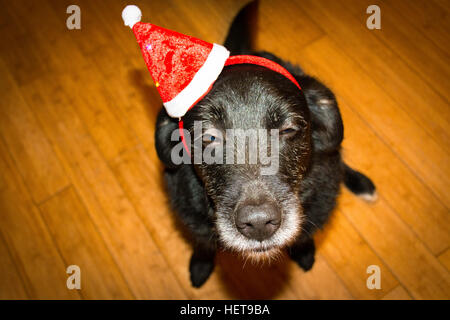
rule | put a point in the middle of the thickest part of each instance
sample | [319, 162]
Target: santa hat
[183, 68]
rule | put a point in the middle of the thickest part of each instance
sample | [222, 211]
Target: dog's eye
[212, 136]
[288, 131]
[209, 138]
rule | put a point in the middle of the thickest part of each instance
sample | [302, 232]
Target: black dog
[233, 204]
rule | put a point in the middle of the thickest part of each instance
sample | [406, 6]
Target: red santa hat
[183, 68]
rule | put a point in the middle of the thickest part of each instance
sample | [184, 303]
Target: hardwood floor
[81, 184]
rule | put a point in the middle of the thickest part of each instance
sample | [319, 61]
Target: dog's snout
[258, 222]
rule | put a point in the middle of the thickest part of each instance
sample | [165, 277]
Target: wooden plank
[29, 147]
[207, 20]
[364, 150]
[28, 239]
[132, 247]
[100, 113]
[80, 244]
[113, 116]
[384, 66]
[40, 43]
[321, 282]
[428, 17]
[139, 104]
[426, 158]
[398, 293]
[18, 48]
[212, 19]
[11, 284]
[444, 4]
[349, 255]
[95, 33]
[95, 105]
[407, 258]
[444, 258]
[289, 19]
[429, 61]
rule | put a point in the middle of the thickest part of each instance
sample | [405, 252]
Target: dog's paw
[200, 271]
[306, 260]
[303, 253]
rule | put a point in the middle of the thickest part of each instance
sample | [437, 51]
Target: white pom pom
[131, 15]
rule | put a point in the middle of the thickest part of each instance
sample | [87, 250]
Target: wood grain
[26, 235]
[385, 66]
[27, 143]
[444, 258]
[114, 215]
[340, 245]
[413, 264]
[398, 293]
[409, 41]
[81, 183]
[11, 284]
[80, 244]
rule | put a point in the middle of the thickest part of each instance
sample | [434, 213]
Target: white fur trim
[200, 83]
[131, 15]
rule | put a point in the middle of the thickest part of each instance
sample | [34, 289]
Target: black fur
[357, 182]
[310, 170]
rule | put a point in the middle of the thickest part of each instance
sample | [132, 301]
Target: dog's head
[256, 203]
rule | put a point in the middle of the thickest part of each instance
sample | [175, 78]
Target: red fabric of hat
[182, 67]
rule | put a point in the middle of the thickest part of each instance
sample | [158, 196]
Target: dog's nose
[258, 222]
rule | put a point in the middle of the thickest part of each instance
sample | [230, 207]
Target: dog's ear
[326, 121]
[165, 126]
